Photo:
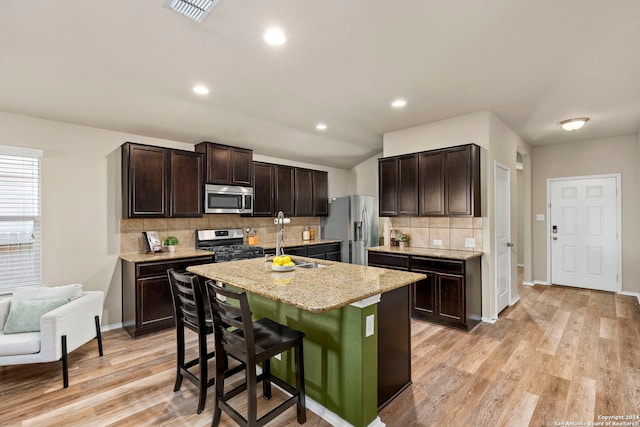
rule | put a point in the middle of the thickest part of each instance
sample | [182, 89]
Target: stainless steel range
[227, 244]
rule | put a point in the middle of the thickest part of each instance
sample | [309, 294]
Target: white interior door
[583, 221]
[503, 235]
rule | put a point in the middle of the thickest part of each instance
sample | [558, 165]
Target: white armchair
[62, 330]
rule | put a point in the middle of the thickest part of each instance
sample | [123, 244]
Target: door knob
[509, 244]
[555, 238]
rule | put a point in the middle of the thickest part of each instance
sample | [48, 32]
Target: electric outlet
[278, 356]
[470, 242]
[369, 328]
[437, 242]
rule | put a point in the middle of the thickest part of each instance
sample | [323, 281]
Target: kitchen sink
[309, 265]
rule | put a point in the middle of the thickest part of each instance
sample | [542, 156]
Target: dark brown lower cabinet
[146, 296]
[394, 332]
[394, 344]
[328, 251]
[450, 295]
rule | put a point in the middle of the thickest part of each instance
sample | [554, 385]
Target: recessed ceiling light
[201, 90]
[321, 126]
[274, 37]
[398, 103]
[573, 124]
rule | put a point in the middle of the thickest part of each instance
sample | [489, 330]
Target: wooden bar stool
[252, 342]
[189, 312]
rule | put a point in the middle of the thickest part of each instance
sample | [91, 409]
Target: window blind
[20, 218]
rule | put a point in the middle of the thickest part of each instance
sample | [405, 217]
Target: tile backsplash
[423, 231]
[184, 229]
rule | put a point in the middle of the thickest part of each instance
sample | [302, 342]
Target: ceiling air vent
[194, 9]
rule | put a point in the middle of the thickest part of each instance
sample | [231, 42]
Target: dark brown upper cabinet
[408, 185]
[431, 178]
[320, 193]
[442, 182]
[398, 185]
[462, 181]
[284, 190]
[295, 191]
[225, 164]
[303, 192]
[388, 186]
[186, 184]
[263, 189]
[160, 182]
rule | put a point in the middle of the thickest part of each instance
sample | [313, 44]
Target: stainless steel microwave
[228, 199]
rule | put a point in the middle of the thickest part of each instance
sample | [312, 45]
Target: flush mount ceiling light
[201, 90]
[321, 126]
[573, 124]
[194, 9]
[399, 103]
[274, 37]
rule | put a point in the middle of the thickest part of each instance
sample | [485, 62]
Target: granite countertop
[166, 255]
[291, 243]
[436, 253]
[317, 290]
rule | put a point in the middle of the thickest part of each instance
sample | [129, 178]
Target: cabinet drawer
[296, 250]
[322, 249]
[159, 268]
[391, 260]
[437, 265]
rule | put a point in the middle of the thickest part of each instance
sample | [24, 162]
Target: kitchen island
[340, 307]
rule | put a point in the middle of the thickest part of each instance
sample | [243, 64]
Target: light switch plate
[470, 242]
[437, 242]
[369, 328]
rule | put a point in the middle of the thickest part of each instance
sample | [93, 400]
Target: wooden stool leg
[204, 371]
[266, 379]
[299, 366]
[221, 363]
[252, 396]
[179, 356]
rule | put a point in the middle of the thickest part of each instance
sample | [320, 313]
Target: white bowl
[282, 267]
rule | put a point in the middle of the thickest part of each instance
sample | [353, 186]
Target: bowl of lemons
[282, 263]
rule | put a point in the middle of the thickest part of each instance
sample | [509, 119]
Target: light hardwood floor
[559, 354]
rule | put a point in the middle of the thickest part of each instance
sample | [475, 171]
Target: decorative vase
[172, 248]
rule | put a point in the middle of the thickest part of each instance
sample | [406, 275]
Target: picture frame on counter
[152, 241]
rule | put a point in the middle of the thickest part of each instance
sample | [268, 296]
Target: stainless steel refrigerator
[354, 220]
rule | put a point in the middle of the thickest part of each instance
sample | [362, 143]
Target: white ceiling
[130, 65]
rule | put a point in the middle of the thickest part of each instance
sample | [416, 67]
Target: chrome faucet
[279, 233]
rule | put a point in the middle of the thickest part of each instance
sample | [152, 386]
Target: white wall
[81, 199]
[602, 156]
[364, 177]
[467, 129]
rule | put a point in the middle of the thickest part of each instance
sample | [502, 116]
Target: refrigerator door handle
[365, 219]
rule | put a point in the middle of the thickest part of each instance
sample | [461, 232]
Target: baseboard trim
[106, 328]
[330, 417]
[515, 300]
[489, 319]
[541, 282]
[528, 284]
[631, 294]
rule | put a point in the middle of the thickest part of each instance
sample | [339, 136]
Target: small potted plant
[402, 240]
[171, 243]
